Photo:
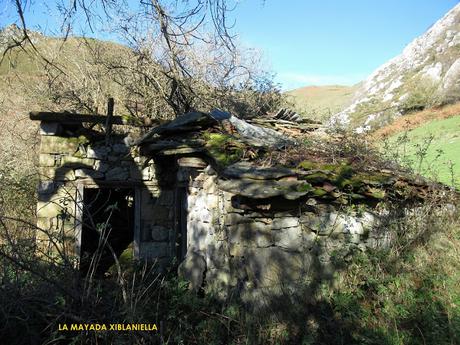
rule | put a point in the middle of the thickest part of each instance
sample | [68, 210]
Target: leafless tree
[182, 56]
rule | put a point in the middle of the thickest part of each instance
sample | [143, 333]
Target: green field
[433, 149]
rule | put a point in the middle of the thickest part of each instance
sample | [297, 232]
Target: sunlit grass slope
[432, 149]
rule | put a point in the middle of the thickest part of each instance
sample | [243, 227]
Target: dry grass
[414, 120]
[320, 102]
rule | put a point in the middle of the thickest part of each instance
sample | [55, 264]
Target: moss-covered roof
[261, 161]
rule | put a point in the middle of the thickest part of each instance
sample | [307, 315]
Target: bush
[422, 93]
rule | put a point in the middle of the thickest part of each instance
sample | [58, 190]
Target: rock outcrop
[426, 73]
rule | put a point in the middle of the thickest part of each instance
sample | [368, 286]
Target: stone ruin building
[195, 193]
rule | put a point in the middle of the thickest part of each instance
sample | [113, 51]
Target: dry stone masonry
[70, 165]
[202, 202]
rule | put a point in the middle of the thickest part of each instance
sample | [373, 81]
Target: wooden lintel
[73, 118]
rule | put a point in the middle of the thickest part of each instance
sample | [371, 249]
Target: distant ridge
[320, 102]
[426, 73]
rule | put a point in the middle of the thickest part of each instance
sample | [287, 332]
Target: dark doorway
[108, 227]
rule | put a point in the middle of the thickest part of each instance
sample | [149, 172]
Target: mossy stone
[225, 149]
[305, 187]
[376, 193]
[316, 178]
[306, 165]
[319, 192]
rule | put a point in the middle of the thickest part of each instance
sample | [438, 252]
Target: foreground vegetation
[428, 142]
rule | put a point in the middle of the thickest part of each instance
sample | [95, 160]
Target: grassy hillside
[428, 142]
[28, 83]
[320, 102]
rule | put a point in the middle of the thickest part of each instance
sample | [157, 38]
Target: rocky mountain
[426, 73]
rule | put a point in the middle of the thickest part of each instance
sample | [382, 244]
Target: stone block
[310, 220]
[336, 223]
[220, 282]
[148, 173]
[208, 183]
[192, 270]
[368, 220]
[191, 162]
[152, 190]
[88, 173]
[216, 255]
[47, 160]
[285, 222]
[139, 160]
[354, 238]
[46, 187]
[196, 184]
[50, 226]
[52, 208]
[236, 249]
[77, 161]
[99, 152]
[52, 144]
[199, 213]
[289, 238]
[236, 218]
[250, 234]
[212, 201]
[50, 128]
[44, 223]
[56, 174]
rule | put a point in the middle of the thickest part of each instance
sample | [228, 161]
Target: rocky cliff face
[426, 73]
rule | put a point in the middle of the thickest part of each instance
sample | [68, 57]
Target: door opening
[107, 227]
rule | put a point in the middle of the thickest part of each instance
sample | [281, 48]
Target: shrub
[422, 93]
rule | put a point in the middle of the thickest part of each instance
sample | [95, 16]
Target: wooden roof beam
[74, 118]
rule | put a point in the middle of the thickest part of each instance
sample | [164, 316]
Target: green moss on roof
[224, 148]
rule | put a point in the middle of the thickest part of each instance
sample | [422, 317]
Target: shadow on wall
[105, 206]
[282, 258]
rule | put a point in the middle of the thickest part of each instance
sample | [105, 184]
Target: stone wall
[68, 164]
[233, 245]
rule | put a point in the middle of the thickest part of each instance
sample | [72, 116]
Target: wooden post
[108, 122]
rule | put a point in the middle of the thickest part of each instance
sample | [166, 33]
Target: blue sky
[321, 42]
